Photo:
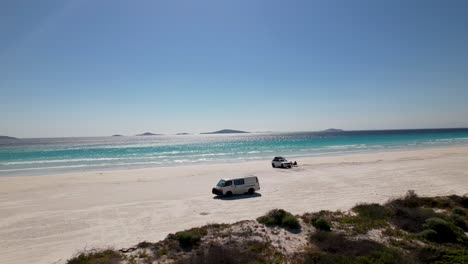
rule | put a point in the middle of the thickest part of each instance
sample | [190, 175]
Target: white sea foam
[174, 152]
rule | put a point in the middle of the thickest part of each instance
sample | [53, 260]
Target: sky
[103, 67]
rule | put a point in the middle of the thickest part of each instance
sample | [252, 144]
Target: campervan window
[239, 182]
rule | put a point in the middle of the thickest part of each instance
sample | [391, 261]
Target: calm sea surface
[56, 155]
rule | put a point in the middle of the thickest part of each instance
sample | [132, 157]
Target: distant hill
[117, 135]
[149, 134]
[226, 131]
[6, 139]
[182, 134]
[332, 130]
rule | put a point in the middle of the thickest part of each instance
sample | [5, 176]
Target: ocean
[57, 155]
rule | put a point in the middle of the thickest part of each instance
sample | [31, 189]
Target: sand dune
[46, 219]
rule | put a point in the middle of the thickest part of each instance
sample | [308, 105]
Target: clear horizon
[97, 68]
[248, 132]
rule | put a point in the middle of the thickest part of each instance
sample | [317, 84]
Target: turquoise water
[55, 155]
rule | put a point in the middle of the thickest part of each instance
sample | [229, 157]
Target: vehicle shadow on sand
[286, 168]
[237, 197]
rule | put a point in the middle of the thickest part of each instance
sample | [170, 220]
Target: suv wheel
[251, 191]
[228, 194]
[273, 165]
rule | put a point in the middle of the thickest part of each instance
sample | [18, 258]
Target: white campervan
[237, 186]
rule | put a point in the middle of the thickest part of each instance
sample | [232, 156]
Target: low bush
[290, 221]
[190, 238]
[336, 248]
[339, 244]
[412, 219]
[234, 253]
[410, 200]
[107, 256]
[464, 201]
[459, 221]
[440, 255]
[428, 234]
[368, 217]
[459, 211]
[144, 244]
[438, 202]
[372, 211]
[279, 217]
[445, 232]
[461, 201]
[321, 224]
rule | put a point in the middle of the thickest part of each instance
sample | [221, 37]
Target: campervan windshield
[221, 183]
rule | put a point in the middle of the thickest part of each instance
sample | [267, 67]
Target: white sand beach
[47, 219]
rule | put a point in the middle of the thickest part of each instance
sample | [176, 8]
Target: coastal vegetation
[107, 256]
[190, 238]
[409, 229]
[281, 218]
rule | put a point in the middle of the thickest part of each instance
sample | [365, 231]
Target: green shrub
[440, 255]
[107, 256]
[336, 248]
[372, 211]
[190, 238]
[162, 251]
[290, 221]
[437, 202]
[412, 219]
[459, 221]
[238, 252]
[445, 231]
[339, 244]
[144, 244]
[273, 217]
[369, 216]
[428, 234]
[279, 217]
[458, 211]
[464, 201]
[410, 200]
[321, 224]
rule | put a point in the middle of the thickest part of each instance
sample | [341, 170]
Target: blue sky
[91, 68]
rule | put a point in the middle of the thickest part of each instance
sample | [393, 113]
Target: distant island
[182, 134]
[226, 131]
[332, 130]
[149, 134]
[7, 137]
[8, 140]
[117, 135]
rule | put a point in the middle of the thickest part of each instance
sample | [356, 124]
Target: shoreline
[221, 162]
[47, 219]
